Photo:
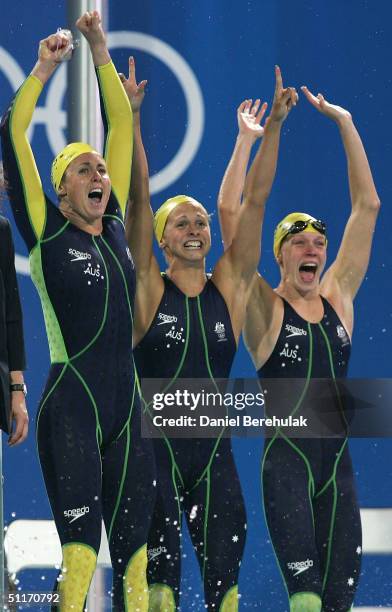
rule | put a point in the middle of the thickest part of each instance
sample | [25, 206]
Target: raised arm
[244, 252]
[20, 171]
[115, 108]
[236, 268]
[349, 268]
[139, 220]
[249, 130]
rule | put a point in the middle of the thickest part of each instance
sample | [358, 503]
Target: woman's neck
[189, 279]
[91, 227]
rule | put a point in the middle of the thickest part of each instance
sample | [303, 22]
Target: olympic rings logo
[54, 118]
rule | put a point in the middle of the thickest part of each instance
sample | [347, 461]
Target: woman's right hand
[51, 51]
[284, 99]
[249, 116]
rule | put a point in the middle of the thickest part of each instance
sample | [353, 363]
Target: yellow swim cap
[64, 158]
[164, 211]
[285, 227]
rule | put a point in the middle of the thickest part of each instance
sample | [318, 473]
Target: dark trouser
[202, 483]
[92, 474]
[313, 518]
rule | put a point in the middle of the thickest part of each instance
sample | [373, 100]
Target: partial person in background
[302, 329]
[13, 412]
[197, 478]
[94, 461]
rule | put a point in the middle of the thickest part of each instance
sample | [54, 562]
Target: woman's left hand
[89, 24]
[337, 113]
[20, 418]
[134, 91]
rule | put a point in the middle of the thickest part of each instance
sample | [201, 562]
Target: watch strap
[18, 387]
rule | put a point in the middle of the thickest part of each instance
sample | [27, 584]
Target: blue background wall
[341, 48]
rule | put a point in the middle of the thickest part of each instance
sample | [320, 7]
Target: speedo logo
[76, 513]
[165, 318]
[300, 566]
[78, 255]
[295, 331]
[152, 553]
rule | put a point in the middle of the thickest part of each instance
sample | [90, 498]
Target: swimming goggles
[300, 226]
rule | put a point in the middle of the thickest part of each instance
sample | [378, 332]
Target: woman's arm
[13, 310]
[139, 221]
[236, 268]
[20, 172]
[14, 334]
[244, 252]
[230, 192]
[346, 273]
[115, 109]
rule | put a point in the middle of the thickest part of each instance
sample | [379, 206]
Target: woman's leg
[71, 464]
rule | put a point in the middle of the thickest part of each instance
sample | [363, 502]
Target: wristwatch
[19, 387]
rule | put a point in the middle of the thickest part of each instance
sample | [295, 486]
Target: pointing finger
[278, 80]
